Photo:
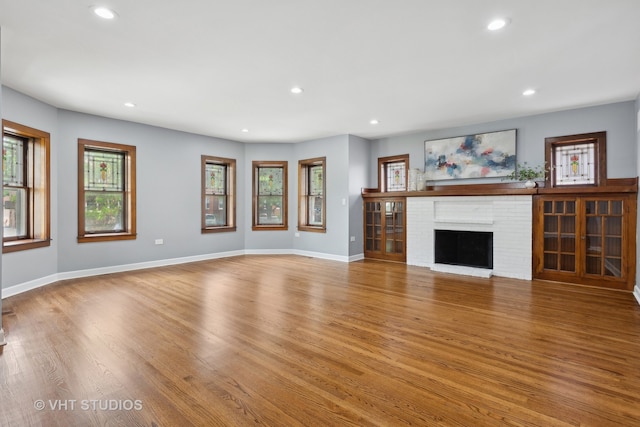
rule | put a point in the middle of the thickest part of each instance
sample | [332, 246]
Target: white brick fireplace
[509, 218]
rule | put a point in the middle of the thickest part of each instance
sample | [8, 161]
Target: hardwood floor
[287, 340]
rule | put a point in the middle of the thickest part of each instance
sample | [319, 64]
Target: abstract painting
[483, 155]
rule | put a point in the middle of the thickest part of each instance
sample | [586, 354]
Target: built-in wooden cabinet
[587, 239]
[384, 228]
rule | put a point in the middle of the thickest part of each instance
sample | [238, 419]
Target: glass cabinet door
[394, 227]
[559, 222]
[603, 237]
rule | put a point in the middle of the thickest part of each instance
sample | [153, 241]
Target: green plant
[524, 172]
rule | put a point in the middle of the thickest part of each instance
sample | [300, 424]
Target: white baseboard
[43, 281]
[3, 341]
[636, 293]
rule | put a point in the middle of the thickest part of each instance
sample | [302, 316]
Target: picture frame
[482, 155]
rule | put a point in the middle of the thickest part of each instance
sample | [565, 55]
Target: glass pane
[315, 210]
[377, 218]
[593, 225]
[396, 176]
[548, 207]
[594, 245]
[568, 244]
[316, 179]
[215, 211]
[613, 226]
[103, 212]
[270, 210]
[559, 207]
[15, 212]
[13, 161]
[103, 170]
[550, 224]
[270, 181]
[215, 178]
[603, 207]
[590, 207]
[616, 207]
[570, 207]
[593, 265]
[575, 164]
[567, 262]
[613, 267]
[568, 224]
[551, 261]
[613, 246]
[550, 243]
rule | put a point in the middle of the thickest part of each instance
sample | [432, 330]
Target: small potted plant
[528, 174]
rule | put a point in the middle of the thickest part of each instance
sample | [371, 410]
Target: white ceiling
[215, 67]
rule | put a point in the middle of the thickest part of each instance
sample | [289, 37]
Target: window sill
[312, 229]
[269, 228]
[106, 237]
[23, 245]
[217, 229]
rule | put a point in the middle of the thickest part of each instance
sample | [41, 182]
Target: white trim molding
[636, 293]
[3, 341]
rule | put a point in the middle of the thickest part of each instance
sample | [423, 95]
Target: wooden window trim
[382, 171]
[130, 191]
[284, 211]
[39, 174]
[303, 176]
[231, 196]
[599, 139]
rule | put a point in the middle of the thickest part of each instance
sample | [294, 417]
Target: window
[218, 194]
[311, 195]
[25, 170]
[577, 159]
[106, 191]
[392, 173]
[269, 195]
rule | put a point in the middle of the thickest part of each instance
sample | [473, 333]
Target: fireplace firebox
[466, 248]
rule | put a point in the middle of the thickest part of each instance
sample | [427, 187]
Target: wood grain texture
[287, 340]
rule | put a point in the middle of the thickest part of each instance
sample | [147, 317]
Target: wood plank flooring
[292, 341]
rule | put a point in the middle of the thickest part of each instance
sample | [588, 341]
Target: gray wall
[617, 119]
[335, 240]
[359, 172]
[168, 193]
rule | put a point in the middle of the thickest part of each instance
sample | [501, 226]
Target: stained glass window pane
[103, 171]
[575, 164]
[316, 180]
[396, 176]
[270, 181]
[13, 161]
[215, 179]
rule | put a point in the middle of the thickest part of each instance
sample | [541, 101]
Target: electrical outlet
[159, 241]
[353, 238]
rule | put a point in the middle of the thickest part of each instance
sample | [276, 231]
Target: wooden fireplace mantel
[615, 185]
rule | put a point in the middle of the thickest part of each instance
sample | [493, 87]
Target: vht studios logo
[88, 405]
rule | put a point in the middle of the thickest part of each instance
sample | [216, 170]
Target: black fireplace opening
[467, 248]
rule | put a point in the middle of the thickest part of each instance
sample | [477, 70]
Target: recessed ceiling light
[129, 104]
[374, 121]
[496, 24]
[529, 92]
[105, 13]
[245, 130]
[297, 90]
